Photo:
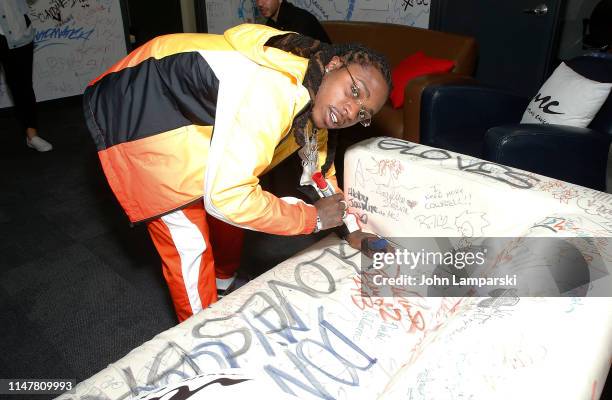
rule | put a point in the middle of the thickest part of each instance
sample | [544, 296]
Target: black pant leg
[17, 65]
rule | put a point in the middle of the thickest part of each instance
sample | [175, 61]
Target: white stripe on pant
[190, 245]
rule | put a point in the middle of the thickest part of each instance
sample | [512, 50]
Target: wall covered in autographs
[76, 40]
[222, 14]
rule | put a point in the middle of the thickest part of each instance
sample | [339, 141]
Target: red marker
[326, 190]
[324, 187]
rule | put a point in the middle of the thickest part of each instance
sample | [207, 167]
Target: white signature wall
[76, 40]
[222, 14]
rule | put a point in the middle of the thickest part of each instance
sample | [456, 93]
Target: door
[517, 39]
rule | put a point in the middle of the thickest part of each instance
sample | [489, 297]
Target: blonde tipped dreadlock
[319, 55]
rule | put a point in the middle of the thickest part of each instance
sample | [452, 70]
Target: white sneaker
[39, 144]
[227, 286]
[223, 285]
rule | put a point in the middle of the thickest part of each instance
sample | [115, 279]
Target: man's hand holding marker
[332, 212]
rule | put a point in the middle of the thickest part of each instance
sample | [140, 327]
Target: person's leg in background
[17, 65]
[182, 241]
[226, 242]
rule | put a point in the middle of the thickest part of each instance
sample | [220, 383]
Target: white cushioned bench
[303, 328]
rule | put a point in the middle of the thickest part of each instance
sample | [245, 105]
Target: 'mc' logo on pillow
[566, 98]
[545, 105]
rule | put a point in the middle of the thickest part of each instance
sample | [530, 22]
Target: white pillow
[567, 98]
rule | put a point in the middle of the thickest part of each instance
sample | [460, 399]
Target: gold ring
[345, 205]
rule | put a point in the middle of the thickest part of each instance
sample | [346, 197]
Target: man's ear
[333, 64]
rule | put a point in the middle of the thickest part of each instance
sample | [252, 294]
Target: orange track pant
[186, 249]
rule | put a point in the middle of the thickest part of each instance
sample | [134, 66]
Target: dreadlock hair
[319, 55]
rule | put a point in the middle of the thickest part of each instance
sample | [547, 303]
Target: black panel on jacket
[152, 97]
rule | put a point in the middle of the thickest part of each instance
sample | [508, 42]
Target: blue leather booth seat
[483, 122]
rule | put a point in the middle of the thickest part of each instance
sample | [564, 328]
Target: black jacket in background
[292, 18]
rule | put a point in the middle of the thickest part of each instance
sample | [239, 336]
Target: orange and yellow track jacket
[192, 116]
